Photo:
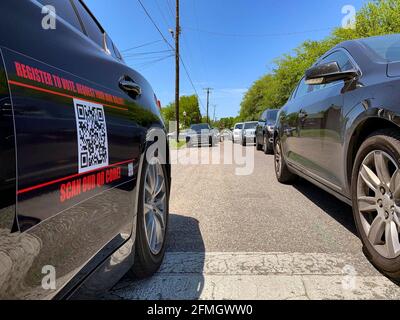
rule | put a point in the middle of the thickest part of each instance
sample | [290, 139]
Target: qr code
[92, 136]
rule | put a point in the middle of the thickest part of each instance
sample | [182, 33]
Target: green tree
[273, 90]
[188, 104]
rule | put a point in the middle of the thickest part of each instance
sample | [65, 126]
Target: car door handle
[130, 87]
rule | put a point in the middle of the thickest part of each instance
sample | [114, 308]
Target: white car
[249, 133]
[237, 132]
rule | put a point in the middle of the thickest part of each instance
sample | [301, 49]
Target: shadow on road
[181, 274]
[337, 209]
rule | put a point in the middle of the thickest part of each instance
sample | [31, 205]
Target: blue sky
[226, 44]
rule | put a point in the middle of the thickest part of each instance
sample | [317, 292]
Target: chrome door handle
[130, 87]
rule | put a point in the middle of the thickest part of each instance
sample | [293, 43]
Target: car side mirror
[328, 73]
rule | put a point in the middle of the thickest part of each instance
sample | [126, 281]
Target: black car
[84, 188]
[340, 130]
[265, 131]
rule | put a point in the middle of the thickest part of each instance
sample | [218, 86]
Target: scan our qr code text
[91, 136]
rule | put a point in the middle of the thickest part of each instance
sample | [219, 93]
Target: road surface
[249, 237]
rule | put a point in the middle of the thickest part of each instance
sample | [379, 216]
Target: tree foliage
[188, 104]
[273, 90]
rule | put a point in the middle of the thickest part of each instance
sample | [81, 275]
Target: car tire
[146, 262]
[210, 142]
[258, 146]
[244, 142]
[267, 146]
[283, 174]
[383, 144]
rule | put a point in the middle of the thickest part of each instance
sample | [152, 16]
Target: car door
[78, 137]
[320, 125]
[291, 121]
[262, 122]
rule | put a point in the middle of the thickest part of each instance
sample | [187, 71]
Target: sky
[225, 44]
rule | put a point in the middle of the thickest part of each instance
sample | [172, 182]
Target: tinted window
[93, 30]
[250, 125]
[65, 10]
[264, 116]
[387, 47]
[272, 115]
[239, 126]
[110, 47]
[303, 89]
[341, 58]
[199, 127]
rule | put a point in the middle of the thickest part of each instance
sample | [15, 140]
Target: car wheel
[266, 146]
[376, 200]
[282, 171]
[258, 146]
[152, 220]
[244, 142]
[210, 142]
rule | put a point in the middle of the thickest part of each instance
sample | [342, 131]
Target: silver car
[249, 133]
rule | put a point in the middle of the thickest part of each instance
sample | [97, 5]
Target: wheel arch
[359, 135]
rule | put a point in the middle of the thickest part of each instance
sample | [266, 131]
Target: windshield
[200, 127]
[250, 125]
[272, 115]
[386, 47]
[239, 126]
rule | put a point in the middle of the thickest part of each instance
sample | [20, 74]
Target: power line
[259, 35]
[146, 53]
[166, 41]
[141, 46]
[155, 25]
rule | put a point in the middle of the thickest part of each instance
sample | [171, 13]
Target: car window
[110, 47]
[119, 56]
[199, 127]
[92, 28]
[272, 115]
[344, 64]
[250, 125]
[64, 10]
[303, 89]
[263, 116]
[239, 126]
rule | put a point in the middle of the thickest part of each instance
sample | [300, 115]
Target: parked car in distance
[265, 131]
[249, 133]
[81, 204]
[200, 135]
[237, 132]
[340, 130]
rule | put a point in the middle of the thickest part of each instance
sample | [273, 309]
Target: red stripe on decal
[20, 84]
[46, 184]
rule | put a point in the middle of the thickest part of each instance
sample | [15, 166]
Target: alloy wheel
[378, 196]
[155, 206]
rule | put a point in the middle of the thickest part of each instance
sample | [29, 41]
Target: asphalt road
[249, 237]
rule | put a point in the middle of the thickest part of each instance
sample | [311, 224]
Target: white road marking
[246, 276]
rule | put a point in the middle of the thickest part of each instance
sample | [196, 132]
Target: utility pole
[208, 90]
[177, 65]
[215, 106]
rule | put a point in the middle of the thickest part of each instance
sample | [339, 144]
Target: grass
[175, 145]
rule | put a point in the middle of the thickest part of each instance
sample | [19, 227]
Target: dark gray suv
[340, 130]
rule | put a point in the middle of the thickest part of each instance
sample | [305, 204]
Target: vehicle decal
[20, 84]
[92, 140]
[27, 72]
[71, 177]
